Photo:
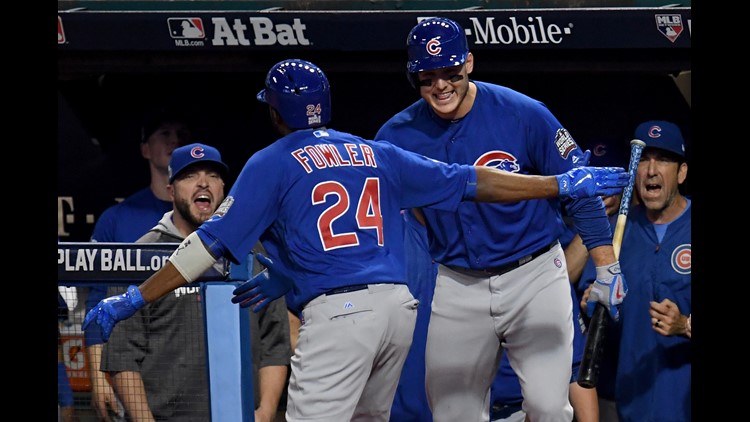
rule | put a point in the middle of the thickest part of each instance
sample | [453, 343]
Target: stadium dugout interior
[601, 66]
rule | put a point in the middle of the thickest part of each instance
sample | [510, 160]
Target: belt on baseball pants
[346, 289]
[502, 269]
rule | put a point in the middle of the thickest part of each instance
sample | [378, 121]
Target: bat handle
[588, 373]
[619, 231]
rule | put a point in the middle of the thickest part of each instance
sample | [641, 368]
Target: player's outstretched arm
[185, 265]
[495, 185]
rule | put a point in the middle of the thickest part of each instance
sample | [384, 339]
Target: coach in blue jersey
[652, 381]
[327, 207]
[502, 281]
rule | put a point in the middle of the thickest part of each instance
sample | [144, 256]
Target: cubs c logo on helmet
[433, 47]
[197, 152]
[500, 160]
[681, 259]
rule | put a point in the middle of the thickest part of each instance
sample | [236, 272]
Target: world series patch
[564, 143]
[223, 208]
[681, 259]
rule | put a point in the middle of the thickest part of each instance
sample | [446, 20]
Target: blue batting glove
[111, 310]
[584, 160]
[267, 286]
[585, 182]
[609, 289]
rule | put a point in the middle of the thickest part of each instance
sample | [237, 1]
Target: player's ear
[682, 173]
[469, 64]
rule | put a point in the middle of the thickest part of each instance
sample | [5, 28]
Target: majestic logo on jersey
[433, 47]
[669, 25]
[558, 263]
[564, 143]
[681, 259]
[500, 160]
[60, 31]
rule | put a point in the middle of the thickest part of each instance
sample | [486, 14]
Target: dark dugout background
[598, 94]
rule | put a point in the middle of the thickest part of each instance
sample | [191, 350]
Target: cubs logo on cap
[661, 134]
[190, 154]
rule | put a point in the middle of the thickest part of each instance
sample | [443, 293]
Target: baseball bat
[588, 373]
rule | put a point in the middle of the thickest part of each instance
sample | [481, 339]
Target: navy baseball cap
[661, 134]
[190, 154]
[155, 118]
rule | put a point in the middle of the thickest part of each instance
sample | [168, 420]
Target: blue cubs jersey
[327, 206]
[653, 381]
[510, 131]
[131, 218]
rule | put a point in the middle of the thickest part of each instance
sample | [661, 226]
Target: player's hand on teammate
[111, 310]
[585, 182]
[609, 289]
[267, 286]
[584, 160]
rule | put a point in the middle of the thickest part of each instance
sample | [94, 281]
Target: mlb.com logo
[60, 32]
[186, 28]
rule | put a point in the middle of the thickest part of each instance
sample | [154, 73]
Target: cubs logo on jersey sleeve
[681, 259]
[500, 160]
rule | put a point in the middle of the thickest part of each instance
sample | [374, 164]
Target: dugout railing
[226, 336]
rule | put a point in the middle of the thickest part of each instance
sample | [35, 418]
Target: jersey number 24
[368, 214]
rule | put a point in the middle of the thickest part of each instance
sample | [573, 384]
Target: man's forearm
[495, 185]
[162, 282]
[272, 382]
[130, 388]
[603, 255]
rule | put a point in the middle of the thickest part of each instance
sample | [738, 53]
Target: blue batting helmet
[435, 43]
[300, 92]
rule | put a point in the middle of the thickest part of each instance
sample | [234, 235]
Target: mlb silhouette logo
[60, 32]
[186, 28]
[669, 25]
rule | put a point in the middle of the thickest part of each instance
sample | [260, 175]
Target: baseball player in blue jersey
[502, 282]
[649, 359]
[326, 206]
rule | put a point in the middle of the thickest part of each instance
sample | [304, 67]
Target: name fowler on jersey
[324, 156]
